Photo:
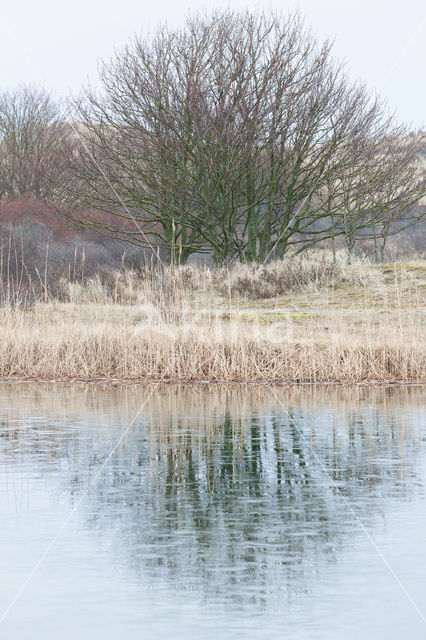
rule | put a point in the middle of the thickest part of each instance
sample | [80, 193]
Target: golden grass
[361, 324]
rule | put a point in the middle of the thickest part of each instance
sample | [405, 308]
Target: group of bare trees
[237, 135]
[32, 143]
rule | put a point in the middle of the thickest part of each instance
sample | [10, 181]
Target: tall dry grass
[296, 320]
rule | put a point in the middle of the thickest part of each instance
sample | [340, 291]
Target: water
[218, 513]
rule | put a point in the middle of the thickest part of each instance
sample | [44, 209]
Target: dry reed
[337, 324]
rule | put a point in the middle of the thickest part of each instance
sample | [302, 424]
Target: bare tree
[404, 190]
[379, 181]
[239, 135]
[31, 142]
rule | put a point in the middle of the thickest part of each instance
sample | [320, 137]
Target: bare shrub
[253, 281]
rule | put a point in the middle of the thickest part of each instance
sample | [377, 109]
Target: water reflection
[231, 494]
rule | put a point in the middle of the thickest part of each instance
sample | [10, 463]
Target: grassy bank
[298, 320]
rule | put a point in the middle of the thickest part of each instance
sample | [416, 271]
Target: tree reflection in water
[227, 500]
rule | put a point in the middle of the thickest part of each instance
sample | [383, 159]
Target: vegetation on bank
[295, 320]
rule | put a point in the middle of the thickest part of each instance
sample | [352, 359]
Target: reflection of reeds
[172, 406]
[345, 324]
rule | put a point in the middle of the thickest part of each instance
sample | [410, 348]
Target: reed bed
[321, 322]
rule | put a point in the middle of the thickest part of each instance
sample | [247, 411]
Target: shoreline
[123, 382]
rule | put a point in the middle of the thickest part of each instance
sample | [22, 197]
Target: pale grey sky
[58, 43]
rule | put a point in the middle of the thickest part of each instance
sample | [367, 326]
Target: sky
[58, 44]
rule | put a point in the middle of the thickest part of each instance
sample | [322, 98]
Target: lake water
[212, 513]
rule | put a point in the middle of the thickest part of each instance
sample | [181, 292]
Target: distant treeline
[238, 135]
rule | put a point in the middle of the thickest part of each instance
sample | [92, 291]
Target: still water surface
[218, 513]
